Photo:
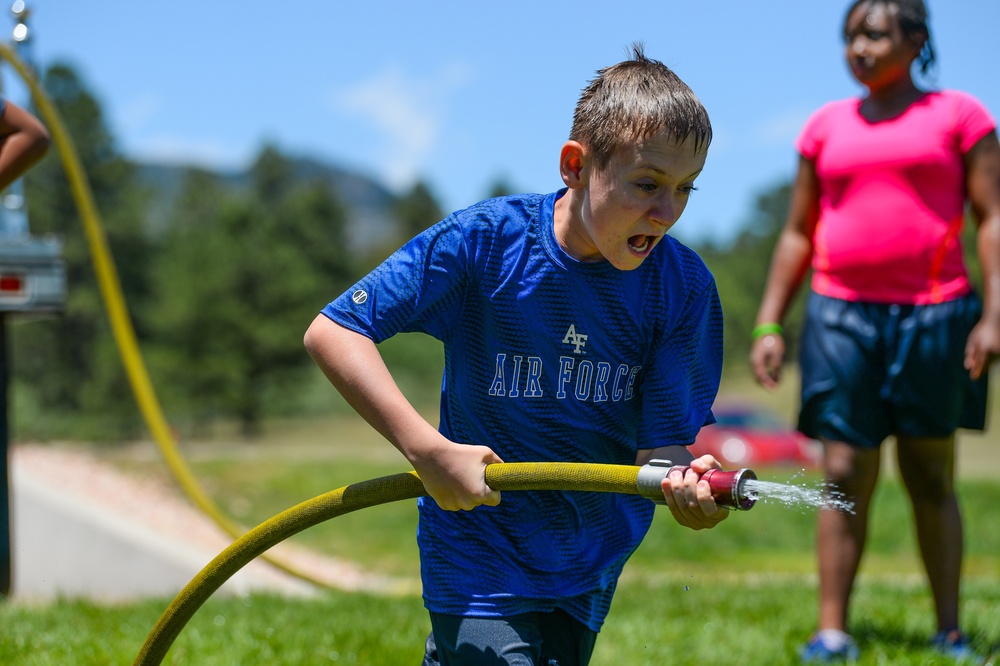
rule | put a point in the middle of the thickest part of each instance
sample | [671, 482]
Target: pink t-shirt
[892, 198]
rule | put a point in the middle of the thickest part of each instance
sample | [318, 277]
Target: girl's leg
[840, 536]
[927, 466]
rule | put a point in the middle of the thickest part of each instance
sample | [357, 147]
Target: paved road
[62, 546]
[65, 543]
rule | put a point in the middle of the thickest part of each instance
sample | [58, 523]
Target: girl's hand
[766, 358]
[982, 348]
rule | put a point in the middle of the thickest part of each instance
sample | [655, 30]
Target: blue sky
[464, 93]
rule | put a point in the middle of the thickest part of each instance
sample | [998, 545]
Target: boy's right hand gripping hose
[728, 489]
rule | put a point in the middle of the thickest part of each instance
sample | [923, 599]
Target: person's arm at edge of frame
[982, 164]
[789, 264]
[23, 141]
[453, 474]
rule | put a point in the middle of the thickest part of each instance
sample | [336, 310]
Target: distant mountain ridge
[371, 221]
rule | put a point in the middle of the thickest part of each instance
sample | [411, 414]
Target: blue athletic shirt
[546, 359]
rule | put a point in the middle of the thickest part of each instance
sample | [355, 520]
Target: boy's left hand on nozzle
[454, 475]
[690, 498]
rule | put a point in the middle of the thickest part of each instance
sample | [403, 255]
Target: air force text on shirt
[519, 375]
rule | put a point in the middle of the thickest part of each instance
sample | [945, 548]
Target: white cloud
[408, 111]
[173, 150]
[137, 113]
[783, 128]
[136, 122]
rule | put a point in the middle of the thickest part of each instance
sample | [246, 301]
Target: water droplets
[798, 495]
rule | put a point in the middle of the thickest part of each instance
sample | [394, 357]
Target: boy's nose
[663, 213]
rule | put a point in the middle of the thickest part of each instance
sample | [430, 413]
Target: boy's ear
[573, 164]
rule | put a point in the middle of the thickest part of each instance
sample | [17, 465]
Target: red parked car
[751, 436]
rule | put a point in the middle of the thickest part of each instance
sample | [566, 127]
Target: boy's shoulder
[684, 261]
[498, 217]
[500, 207]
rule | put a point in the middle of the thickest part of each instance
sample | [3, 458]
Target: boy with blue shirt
[574, 330]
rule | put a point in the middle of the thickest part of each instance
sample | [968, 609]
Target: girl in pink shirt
[895, 340]
[892, 198]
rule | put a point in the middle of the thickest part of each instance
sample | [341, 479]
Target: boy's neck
[567, 210]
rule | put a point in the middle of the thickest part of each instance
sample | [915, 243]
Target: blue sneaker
[954, 644]
[829, 646]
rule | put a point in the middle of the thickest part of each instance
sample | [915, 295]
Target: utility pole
[32, 283]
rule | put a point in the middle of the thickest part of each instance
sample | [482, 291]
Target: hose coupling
[728, 487]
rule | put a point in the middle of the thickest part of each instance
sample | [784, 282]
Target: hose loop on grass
[499, 476]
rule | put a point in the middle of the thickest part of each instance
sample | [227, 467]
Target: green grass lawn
[678, 618]
[743, 593]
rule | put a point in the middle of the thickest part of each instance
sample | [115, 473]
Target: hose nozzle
[728, 488]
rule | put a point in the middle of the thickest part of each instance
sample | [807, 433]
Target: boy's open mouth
[641, 243]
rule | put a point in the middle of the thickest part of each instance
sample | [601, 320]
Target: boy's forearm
[452, 474]
[355, 367]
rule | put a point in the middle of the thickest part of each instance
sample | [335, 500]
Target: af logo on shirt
[523, 375]
[578, 340]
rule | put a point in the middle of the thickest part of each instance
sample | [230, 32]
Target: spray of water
[797, 495]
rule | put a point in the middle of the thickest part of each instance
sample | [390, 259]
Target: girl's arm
[982, 167]
[789, 264]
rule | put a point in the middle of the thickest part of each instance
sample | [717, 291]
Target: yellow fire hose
[118, 315]
[728, 488]
[499, 476]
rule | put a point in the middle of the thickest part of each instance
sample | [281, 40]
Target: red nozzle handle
[728, 487]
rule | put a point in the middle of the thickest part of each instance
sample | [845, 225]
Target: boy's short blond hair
[633, 100]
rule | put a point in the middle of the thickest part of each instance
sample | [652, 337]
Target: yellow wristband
[766, 329]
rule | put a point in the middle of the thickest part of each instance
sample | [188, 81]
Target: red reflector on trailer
[11, 284]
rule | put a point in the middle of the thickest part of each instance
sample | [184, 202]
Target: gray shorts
[530, 639]
[870, 370]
